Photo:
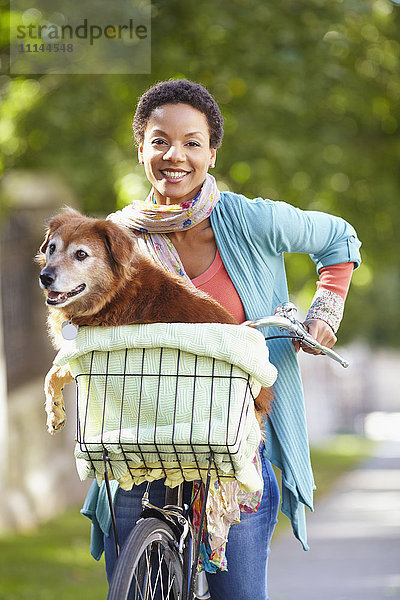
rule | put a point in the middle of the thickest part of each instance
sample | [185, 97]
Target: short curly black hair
[174, 91]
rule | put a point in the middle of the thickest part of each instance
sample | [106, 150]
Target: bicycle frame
[175, 514]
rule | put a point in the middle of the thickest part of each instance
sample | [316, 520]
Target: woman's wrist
[327, 306]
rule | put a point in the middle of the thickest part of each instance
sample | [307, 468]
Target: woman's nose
[175, 152]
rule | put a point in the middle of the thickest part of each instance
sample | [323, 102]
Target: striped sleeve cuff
[328, 307]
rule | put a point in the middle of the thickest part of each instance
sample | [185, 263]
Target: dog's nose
[47, 278]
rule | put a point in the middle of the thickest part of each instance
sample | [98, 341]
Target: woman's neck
[190, 234]
[157, 198]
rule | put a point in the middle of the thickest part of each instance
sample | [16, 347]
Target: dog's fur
[93, 274]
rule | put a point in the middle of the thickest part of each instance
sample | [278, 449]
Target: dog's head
[82, 261]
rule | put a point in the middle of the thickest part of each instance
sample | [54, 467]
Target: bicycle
[160, 557]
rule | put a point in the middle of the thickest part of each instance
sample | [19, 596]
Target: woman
[232, 248]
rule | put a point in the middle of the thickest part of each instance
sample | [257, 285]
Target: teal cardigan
[252, 237]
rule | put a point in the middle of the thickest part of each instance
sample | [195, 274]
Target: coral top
[216, 282]
[336, 278]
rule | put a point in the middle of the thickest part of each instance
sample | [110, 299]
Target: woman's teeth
[174, 174]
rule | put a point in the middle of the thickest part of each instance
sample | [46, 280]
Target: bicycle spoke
[171, 580]
[150, 577]
[142, 576]
[155, 572]
[138, 580]
[159, 571]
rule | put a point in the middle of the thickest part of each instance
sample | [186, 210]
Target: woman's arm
[331, 242]
[280, 227]
[269, 229]
[326, 309]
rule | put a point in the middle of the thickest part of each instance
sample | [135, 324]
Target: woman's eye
[158, 142]
[193, 144]
[81, 254]
[52, 247]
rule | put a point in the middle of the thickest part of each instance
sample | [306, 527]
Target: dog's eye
[81, 254]
[52, 247]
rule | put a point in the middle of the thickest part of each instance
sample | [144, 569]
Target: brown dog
[93, 274]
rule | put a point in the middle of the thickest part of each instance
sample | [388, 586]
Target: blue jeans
[247, 549]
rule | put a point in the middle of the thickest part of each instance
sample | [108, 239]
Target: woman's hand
[320, 331]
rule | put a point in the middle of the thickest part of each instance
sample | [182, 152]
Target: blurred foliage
[310, 92]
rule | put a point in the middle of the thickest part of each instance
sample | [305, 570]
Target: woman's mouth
[174, 176]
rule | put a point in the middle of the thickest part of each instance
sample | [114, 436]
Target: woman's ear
[140, 154]
[213, 157]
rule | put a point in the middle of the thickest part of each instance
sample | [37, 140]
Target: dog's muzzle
[46, 278]
[55, 298]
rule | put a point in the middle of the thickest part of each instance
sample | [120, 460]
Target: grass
[53, 562]
[338, 455]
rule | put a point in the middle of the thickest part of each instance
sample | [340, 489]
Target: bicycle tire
[149, 566]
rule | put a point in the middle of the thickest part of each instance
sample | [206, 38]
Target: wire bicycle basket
[162, 414]
[161, 398]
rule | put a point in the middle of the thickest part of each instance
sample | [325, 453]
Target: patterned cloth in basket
[159, 396]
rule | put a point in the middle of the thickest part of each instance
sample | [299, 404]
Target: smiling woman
[232, 248]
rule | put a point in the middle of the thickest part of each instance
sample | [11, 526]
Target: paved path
[354, 538]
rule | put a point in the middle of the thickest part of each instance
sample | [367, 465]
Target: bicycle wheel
[149, 566]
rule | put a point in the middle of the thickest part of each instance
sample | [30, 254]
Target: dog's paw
[54, 382]
[55, 417]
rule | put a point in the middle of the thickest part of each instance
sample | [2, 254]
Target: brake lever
[295, 329]
[301, 333]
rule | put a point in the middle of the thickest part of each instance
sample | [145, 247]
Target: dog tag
[69, 330]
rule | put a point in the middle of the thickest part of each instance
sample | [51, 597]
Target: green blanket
[158, 397]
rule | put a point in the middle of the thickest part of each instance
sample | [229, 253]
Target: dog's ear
[119, 243]
[57, 221]
[45, 243]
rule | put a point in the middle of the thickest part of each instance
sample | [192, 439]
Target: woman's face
[176, 152]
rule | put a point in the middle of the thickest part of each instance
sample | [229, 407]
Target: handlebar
[284, 319]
